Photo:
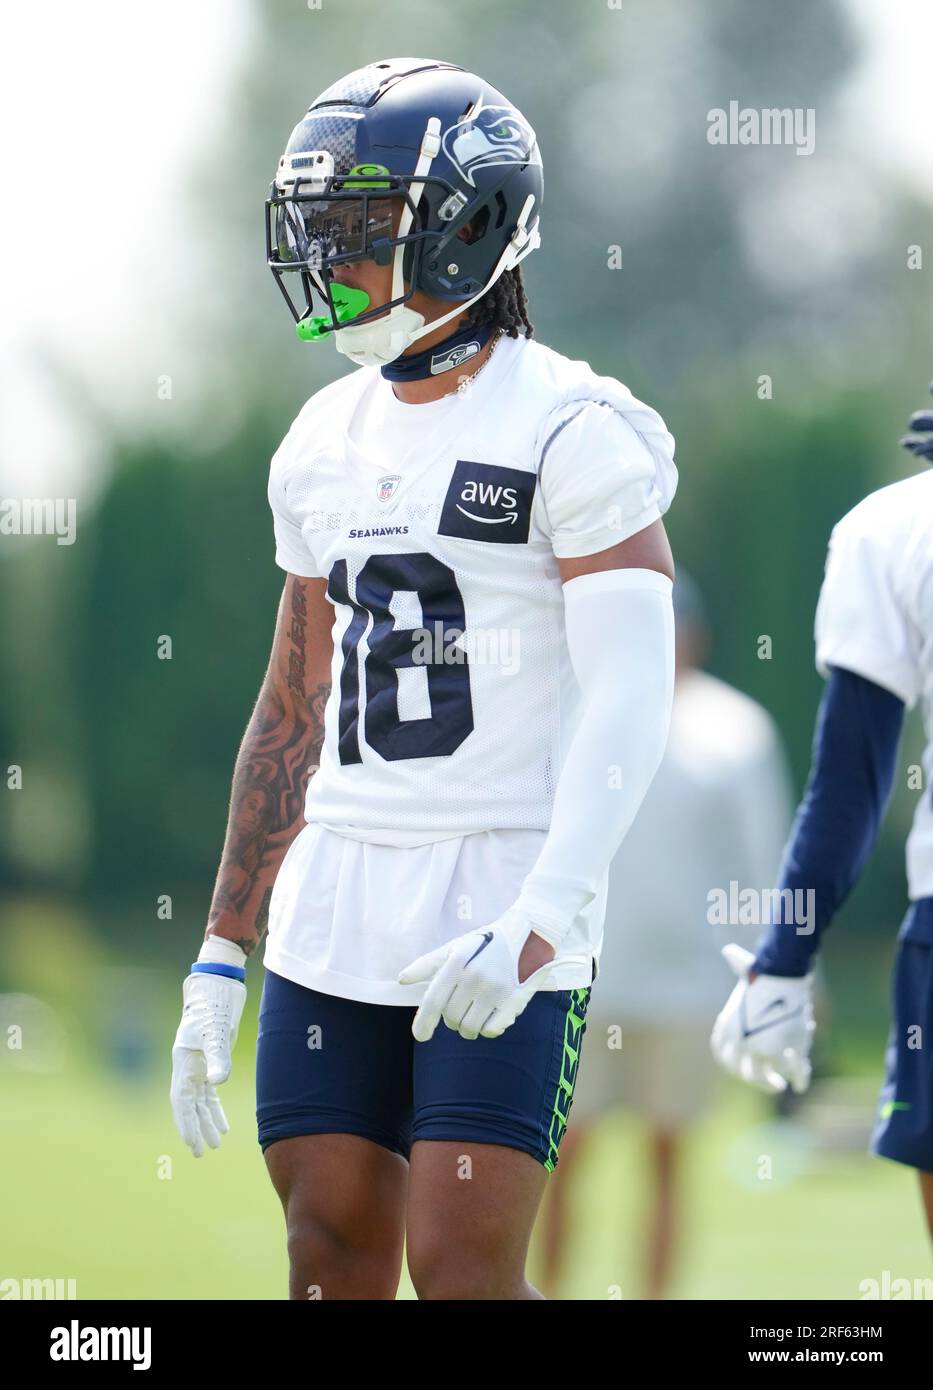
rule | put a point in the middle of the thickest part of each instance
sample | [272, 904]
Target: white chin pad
[380, 342]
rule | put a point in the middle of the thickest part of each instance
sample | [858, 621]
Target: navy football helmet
[392, 162]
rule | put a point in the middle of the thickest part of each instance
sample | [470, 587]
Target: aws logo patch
[487, 503]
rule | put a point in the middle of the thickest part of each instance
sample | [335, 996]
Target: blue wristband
[210, 967]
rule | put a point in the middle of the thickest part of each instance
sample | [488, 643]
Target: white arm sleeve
[620, 636]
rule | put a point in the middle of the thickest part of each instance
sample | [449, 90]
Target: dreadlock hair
[505, 306]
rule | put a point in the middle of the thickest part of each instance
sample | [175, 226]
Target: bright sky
[104, 105]
[898, 35]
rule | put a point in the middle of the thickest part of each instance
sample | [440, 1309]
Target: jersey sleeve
[291, 552]
[862, 624]
[600, 482]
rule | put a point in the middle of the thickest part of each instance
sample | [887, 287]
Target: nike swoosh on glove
[764, 1032]
[473, 980]
[201, 1057]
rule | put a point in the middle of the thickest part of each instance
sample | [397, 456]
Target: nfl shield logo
[387, 486]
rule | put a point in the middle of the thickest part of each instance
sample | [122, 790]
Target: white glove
[474, 983]
[764, 1032]
[201, 1055]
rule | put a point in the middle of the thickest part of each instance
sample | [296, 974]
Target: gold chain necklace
[467, 380]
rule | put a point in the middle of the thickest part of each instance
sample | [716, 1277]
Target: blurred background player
[874, 646]
[717, 812]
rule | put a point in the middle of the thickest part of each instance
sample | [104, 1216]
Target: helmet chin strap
[377, 343]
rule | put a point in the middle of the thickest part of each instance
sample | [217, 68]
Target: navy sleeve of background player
[854, 757]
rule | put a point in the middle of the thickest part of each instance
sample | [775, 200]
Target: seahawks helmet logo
[490, 136]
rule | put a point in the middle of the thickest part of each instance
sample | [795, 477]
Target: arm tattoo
[282, 743]
[248, 944]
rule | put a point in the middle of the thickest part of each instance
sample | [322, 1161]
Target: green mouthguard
[347, 304]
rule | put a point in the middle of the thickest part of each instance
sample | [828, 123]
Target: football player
[474, 657]
[874, 646]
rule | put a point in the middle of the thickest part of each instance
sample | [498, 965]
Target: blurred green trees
[736, 263]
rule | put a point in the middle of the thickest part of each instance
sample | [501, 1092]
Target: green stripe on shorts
[570, 1056]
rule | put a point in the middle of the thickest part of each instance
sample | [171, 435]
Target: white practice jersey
[875, 617]
[438, 527]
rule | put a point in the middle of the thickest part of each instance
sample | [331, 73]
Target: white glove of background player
[764, 1032]
[201, 1055]
[474, 985]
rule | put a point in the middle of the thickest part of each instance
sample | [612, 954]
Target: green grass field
[100, 1189]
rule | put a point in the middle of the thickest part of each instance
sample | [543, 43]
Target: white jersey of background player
[874, 645]
[875, 617]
